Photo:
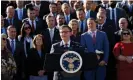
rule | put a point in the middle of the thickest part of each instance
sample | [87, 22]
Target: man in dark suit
[89, 13]
[96, 40]
[108, 27]
[105, 3]
[40, 20]
[53, 10]
[60, 20]
[82, 21]
[20, 12]
[115, 14]
[63, 46]
[11, 20]
[66, 11]
[41, 5]
[51, 34]
[123, 24]
[17, 51]
[35, 24]
[128, 7]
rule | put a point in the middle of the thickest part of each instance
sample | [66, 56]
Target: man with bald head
[11, 20]
[123, 24]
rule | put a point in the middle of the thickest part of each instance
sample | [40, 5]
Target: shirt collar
[102, 24]
[89, 31]
[51, 29]
[63, 43]
[11, 39]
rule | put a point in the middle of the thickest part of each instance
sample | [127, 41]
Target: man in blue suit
[94, 40]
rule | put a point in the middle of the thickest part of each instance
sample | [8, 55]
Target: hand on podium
[41, 72]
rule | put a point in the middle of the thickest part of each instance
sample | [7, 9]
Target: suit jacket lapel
[97, 36]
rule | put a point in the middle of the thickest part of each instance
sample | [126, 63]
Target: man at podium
[65, 45]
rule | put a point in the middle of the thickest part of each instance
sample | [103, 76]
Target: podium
[52, 62]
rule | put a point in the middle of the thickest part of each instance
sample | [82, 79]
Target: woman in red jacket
[123, 52]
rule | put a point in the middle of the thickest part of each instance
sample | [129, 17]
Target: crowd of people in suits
[32, 29]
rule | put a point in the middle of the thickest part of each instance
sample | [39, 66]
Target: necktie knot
[66, 45]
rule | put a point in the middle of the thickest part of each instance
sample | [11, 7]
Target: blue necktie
[67, 19]
[82, 26]
[113, 16]
[20, 17]
[12, 46]
[2, 31]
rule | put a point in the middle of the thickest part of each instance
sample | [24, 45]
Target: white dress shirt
[51, 32]
[91, 32]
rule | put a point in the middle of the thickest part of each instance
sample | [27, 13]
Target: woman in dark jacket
[36, 57]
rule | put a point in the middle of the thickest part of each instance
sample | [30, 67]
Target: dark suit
[35, 61]
[24, 14]
[76, 38]
[19, 58]
[58, 48]
[84, 25]
[72, 16]
[126, 8]
[55, 39]
[15, 22]
[118, 36]
[92, 14]
[109, 28]
[39, 26]
[119, 14]
[44, 5]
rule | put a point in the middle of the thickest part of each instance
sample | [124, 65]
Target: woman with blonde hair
[123, 52]
[8, 65]
[74, 25]
[36, 58]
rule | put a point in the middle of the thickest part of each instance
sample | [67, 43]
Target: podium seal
[71, 62]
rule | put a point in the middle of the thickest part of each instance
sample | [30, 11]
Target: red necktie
[33, 26]
[94, 37]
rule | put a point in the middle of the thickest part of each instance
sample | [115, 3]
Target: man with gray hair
[123, 24]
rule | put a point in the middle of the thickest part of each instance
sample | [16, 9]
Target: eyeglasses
[4, 39]
[27, 28]
[126, 33]
[65, 32]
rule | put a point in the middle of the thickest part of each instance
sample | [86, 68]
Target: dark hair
[92, 19]
[65, 26]
[23, 34]
[52, 4]
[30, 9]
[80, 9]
